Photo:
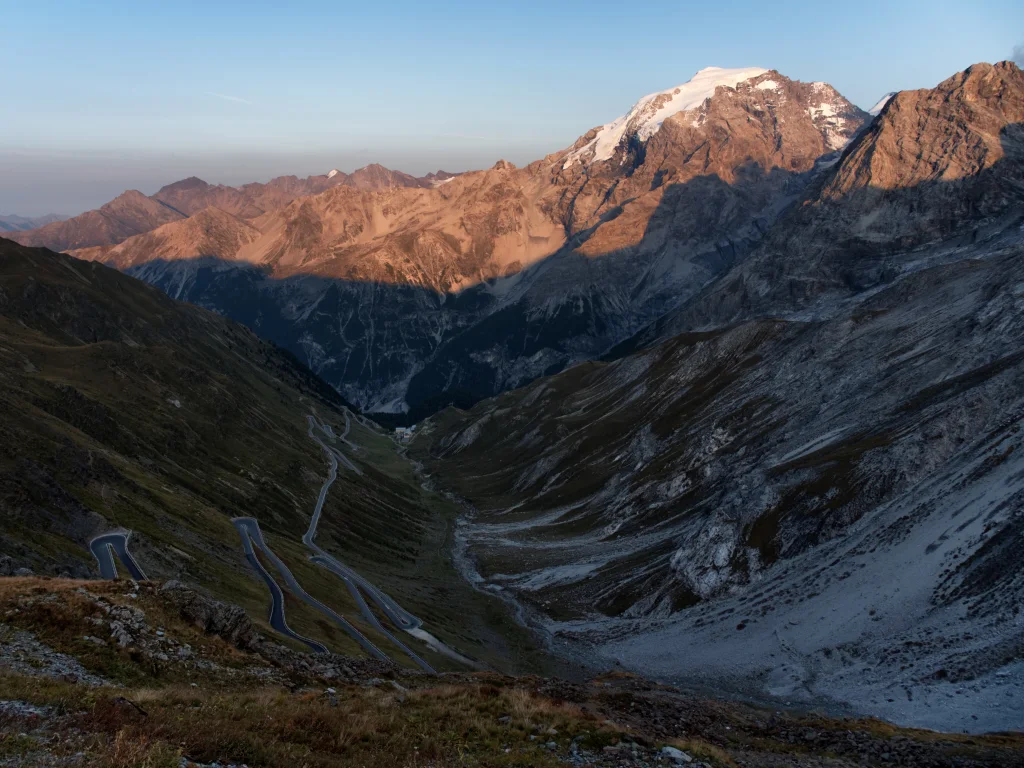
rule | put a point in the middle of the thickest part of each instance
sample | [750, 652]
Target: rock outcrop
[212, 616]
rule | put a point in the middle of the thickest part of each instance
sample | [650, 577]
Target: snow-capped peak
[647, 115]
[332, 173]
[881, 104]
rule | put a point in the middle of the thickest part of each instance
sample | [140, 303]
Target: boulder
[676, 754]
[228, 621]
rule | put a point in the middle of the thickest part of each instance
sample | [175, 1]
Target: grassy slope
[91, 439]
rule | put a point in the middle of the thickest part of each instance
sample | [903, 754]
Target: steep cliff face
[939, 170]
[466, 288]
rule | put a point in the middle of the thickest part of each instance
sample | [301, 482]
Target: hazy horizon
[71, 183]
[246, 95]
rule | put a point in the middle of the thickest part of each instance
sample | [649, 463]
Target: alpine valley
[727, 395]
[808, 474]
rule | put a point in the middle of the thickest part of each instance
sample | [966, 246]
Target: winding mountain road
[252, 536]
[355, 583]
[277, 619]
[105, 546]
[249, 528]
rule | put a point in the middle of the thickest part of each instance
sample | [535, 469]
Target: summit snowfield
[647, 115]
[880, 104]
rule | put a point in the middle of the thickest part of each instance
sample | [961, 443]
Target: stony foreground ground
[124, 674]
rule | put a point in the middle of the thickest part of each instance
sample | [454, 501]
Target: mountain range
[13, 223]
[738, 385]
[133, 213]
[411, 294]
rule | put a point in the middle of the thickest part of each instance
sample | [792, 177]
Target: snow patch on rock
[880, 104]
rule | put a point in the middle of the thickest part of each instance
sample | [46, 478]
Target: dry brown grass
[445, 725]
[129, 752]
[883, 730]
[479, 722]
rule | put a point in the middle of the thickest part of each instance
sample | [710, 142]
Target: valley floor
[867, 641]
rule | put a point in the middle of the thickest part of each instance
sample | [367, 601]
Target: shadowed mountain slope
[826, 508]
[123, 409]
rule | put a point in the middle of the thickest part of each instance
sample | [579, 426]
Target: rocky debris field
[22, 652]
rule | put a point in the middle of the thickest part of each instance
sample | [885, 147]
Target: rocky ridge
[209, 232]
[132, 213]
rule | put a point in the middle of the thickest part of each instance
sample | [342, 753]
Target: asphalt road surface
[104, 548]
[252, 536]
[356, 584]
[277, 617]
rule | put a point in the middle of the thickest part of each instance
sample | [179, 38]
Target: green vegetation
[120, 408]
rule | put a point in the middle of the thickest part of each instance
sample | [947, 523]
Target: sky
[101, 97]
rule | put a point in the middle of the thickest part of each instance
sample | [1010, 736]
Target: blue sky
[99, 97]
